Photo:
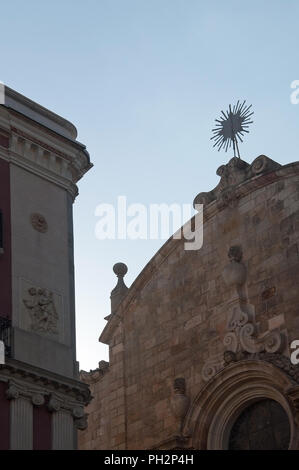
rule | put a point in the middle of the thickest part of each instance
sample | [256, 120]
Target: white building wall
[41, 260]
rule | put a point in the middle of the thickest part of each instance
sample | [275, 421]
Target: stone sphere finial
[120, 290]
[120, 269]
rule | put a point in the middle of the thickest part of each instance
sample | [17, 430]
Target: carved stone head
[179, 385]
[235, 253]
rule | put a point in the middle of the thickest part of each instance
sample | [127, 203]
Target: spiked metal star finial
[231, 126]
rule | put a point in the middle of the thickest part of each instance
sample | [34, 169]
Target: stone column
[21, 420]
[62, 430]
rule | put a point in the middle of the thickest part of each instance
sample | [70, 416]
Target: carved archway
[216, 408]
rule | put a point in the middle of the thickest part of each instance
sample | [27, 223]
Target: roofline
[37, 108]
[210, 210]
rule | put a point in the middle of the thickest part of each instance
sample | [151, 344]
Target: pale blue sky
[143, 81]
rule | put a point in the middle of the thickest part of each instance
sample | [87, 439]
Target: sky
[143, 81]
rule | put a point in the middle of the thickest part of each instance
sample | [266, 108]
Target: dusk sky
[143, 81]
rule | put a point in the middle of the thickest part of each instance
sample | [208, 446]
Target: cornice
[20, 103]
[34, 378]
[63, 166]
[226, 194]
[43, 151]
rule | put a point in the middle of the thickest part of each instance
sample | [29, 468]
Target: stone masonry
[200, 329]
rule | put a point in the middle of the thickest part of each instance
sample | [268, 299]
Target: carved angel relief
[42, 310]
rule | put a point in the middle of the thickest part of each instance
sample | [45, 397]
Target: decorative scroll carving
[44, 317]
[261, 164]
[54, 404]
[211, 367]
[12, 392]
[235, 172]
[242, 336]
[39, 222]
[81, 423]
[38, 399]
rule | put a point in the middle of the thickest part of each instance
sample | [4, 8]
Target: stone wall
[190, 315]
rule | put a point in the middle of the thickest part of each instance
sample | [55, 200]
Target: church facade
[200, 345]
[41, 397]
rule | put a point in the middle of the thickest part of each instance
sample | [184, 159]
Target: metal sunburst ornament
[231, 126]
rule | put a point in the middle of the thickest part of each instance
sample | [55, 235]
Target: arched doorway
[263, 425]
[254, 392]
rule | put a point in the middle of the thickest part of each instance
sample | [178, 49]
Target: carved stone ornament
[39, 222]
[26, 380]
[12, 392]
[235, 172]
[235, 272]
[42, 310]
[179, 401]
[17, 389]
[54, 404]
[81, 423]
[212, 366]
[242, 336]
[78, 412]
[38, 399]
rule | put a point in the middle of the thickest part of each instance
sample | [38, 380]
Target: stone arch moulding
[217, 406]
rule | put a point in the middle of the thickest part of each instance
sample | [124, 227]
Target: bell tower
[41, 398]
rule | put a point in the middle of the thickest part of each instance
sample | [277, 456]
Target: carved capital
[54, 404]
[213, 365]
[81, 423]
[12, 392]
[38, 399]
[78, 412]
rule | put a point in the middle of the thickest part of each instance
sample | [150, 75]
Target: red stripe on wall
[4, 418]
[4, 141]
[42, 428]
[5, 258]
